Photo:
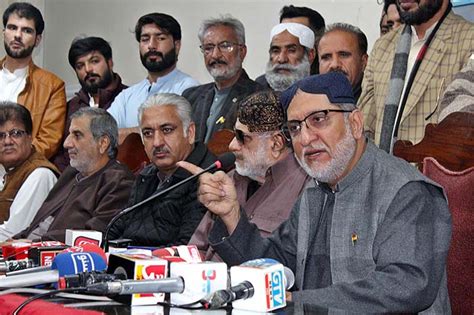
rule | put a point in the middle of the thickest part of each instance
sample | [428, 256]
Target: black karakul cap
[334, 85]
[261, 111]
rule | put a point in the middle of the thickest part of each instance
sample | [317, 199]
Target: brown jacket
[45, 98]
[15, 178]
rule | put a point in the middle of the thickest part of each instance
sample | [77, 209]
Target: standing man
[168, 135]
[22, 82]
[215, 104]
[409, 69]
[390, 17]
[91, 59]
[291, 54]
[343, 48]
[370, 234]
[29, 175]
[95, 186]
[159, 39]
[267, 176]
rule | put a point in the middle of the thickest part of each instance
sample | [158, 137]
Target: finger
[193, 169]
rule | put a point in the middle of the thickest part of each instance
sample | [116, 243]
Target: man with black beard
[291, 55]
[22, 82]
[215, 104]
[159, 38]
[409, 69]
[91, 59]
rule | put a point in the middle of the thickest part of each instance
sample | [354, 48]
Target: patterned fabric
[449, 51]
[395, 89]
[261, 112]
[459, 95]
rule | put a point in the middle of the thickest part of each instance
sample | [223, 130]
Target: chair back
[132, 153]
[459, 188]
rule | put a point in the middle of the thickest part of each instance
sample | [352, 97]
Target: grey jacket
[389, 240]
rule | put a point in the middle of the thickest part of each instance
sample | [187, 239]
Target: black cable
[188, 306]
[46, 294]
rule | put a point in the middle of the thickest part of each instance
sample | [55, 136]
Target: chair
[132, 153]
[451, 142]
[459, 188]
[219, 142]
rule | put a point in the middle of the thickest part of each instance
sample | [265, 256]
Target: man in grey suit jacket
[215, 104]
[369, 234]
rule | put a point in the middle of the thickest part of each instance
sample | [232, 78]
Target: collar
[161, 80]
[279, 171]
[415, 39]
[85, 180]
[105, 95]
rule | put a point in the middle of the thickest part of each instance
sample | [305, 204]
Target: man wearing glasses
[28, 175]
[215, 104]
[159, 42]
[267, 176]
[369, 234]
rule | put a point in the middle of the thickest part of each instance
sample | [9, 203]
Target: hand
[217, 193]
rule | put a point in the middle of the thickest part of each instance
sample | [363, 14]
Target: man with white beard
[267, 176]
[291, 54]
[215, 104]
[369, 234]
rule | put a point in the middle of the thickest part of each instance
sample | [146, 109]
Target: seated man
[29, 175]
[267, 176]
[369, 234]
[168, 135]
[93, 189]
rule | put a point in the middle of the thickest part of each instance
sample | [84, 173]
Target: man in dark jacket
[215, 104]
[91, 59]
[168, 135]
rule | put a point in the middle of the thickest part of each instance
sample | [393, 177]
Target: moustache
[91, 75]
[159, 150]
[153, 53]
[16, 42]
[284, 66]
[217, 61]
[340, 71]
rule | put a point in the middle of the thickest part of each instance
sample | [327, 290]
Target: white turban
[304, 33]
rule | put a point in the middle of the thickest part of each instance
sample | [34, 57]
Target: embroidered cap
[261, 111]
[304, 33]
[334, 85]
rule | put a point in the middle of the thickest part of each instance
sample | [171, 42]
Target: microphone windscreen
[73, 263]
[87, 248]
[225, 160]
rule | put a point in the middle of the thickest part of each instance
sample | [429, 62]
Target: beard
[102, 83]
[167, 61]
[20, 54]
[255, 165]
[341, 157]
[282, 81]
[225, 73]
[422, 15]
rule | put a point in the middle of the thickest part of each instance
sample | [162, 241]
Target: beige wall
[114, 20]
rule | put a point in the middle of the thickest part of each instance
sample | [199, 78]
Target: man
[343, 48]
[291, 54]
[168, 135]
[267, 177]
[29, 175]
[409, 69]
[369, 234]
[215, 104]
[95, 186]
[309, 18]
[390, 18]
[91, 59]
[159, 38]
[21, 81]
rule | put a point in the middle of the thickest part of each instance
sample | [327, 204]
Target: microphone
[224, 161]
[128, 287]
[262, 282]
[87, 278]
[63, 264]
[19, 264]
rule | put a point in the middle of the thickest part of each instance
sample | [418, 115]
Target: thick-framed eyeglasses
[14, 133]
[317, 120]
[240, 136]
[224, 47]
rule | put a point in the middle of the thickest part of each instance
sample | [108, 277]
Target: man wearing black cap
[369, 234]
[267, 176]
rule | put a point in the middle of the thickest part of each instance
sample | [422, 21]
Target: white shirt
[28, 200]
[11, 84]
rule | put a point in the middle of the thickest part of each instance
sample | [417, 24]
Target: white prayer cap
[304, 33]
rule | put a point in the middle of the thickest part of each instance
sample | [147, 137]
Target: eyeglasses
[244, 138]
[14, 133]
[224, 47]
[240, 136]
[317, 120]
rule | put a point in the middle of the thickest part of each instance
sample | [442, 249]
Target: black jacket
[202, 96]
[170, 220]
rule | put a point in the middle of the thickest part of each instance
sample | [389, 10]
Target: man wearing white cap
[291, 54]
